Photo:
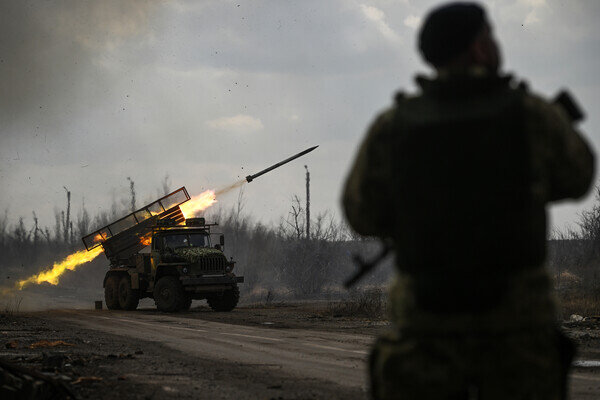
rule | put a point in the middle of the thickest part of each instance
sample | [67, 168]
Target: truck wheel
[128, 297]
[225, 301]
[111, 293]
[168, 294]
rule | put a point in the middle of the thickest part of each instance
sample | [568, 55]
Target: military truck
[155, 252]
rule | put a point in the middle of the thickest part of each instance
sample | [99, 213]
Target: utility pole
[67, 222]
[307, 203]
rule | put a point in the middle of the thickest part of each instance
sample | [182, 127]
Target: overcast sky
[207, 92]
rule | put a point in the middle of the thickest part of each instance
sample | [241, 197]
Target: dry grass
[584, 303]
[369, 303]
[12, 305]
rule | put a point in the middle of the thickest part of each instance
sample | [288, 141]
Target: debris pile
[17, 382]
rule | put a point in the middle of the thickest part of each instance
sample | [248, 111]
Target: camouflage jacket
[458, 177]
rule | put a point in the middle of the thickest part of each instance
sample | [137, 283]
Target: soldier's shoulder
[394, 113]
[403, 102]
[403, 97]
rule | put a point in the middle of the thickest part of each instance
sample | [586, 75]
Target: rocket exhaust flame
[206, 199]
[146, 240]
[53, 274]
[70, 263]
[229, 188]
[198, 203]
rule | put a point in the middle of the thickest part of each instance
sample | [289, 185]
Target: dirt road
[149, 355]
[247, 354]
[329, 356]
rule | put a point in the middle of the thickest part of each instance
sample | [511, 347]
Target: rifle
[365, 266]
[570, 105]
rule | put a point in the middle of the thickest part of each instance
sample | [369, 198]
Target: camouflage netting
[194, 254]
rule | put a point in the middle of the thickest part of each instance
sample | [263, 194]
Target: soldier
[458, 177]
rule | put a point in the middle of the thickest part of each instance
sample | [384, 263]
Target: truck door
[155, 255]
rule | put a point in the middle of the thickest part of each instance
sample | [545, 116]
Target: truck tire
[111, 292]
[168, 294]
[128, 297]
[225, 301]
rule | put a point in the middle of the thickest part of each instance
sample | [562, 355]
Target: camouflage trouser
[525, 365]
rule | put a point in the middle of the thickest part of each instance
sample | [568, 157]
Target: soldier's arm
[367, 198]
[568, 159]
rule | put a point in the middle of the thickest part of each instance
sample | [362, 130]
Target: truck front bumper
[211, 280]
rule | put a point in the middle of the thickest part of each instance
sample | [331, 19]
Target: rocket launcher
[123, 238]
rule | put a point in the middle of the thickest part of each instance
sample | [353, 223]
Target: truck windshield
[199, 240]
[186, 240]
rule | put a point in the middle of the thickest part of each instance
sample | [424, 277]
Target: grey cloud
[308, 37]
[49, 53]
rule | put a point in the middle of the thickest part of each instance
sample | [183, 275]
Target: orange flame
[53, 274]
[146, 240]
[198, 203]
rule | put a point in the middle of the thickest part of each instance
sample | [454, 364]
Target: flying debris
[250, 178]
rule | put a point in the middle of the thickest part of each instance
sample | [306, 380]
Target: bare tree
[132, 193]
[294, 221]
[3, 227]
[57, 224]
[166, 185]
[589, 224]
[36, 229]
[83, 220]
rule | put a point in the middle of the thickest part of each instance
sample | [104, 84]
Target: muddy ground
[95, 364]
